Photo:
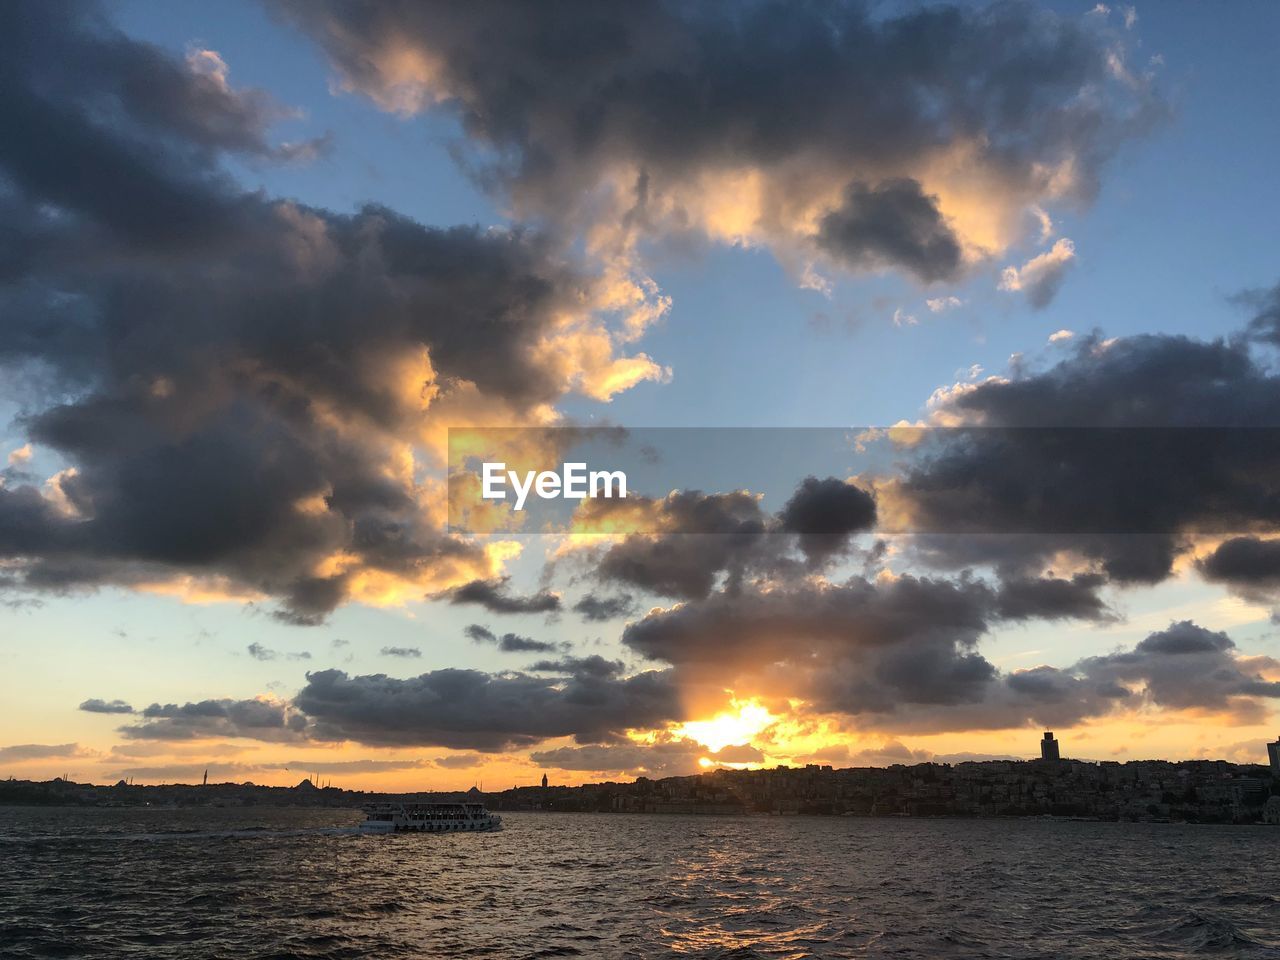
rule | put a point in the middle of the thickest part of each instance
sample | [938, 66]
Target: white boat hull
[407, 817]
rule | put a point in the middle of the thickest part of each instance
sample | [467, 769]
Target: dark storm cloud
[665, 758]
[509, 642]
[1175, 450]
[1248, 565]
[720, 534]
[1146, 380]
[898, 654]
[94, 705]
[494, 597]
[590, 666]
[471, 710]
[646, 100]
[253, 719]
[903, 654]
[852, 647]
[479, 634]
[824, 513]
[1049, 598]
[1184, 667]
[309, 600]
[117, 131]
[891, 224]
[73, 56]
[858, 647]
[514, 643]
[729, 536]
[229, 377]
[599, 609]
[28, 521]
[586, 698]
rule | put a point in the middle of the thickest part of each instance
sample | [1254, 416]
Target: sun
[739, 724]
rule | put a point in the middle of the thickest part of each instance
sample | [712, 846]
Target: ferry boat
[429, 818]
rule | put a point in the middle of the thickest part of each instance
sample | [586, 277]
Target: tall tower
[544, 776]
[1273, 753]
[1048, 747]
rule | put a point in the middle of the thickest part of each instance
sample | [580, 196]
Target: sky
[260, 257]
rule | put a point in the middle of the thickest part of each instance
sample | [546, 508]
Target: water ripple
[304, 885]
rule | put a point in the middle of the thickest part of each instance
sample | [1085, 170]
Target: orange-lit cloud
[840, 165]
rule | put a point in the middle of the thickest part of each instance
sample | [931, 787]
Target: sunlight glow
[744, 720]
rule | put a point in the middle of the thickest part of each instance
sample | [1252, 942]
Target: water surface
[272, 883]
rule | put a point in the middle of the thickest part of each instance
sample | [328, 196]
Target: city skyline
[1189, 791]
[263, 257]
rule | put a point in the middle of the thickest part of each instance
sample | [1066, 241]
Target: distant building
[1273, 751]
[1048, 747]
[544, 780]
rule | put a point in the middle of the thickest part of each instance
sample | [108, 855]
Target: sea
[304, 884]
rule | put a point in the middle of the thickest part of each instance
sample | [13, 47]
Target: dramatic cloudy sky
[257, 259]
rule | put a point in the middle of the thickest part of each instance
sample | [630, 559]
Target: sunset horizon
[226, 520]
[450, 400]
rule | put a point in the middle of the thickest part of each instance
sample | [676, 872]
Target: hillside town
[1195, 791]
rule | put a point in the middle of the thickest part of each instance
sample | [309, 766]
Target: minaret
[544, 781]
[205, 781]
